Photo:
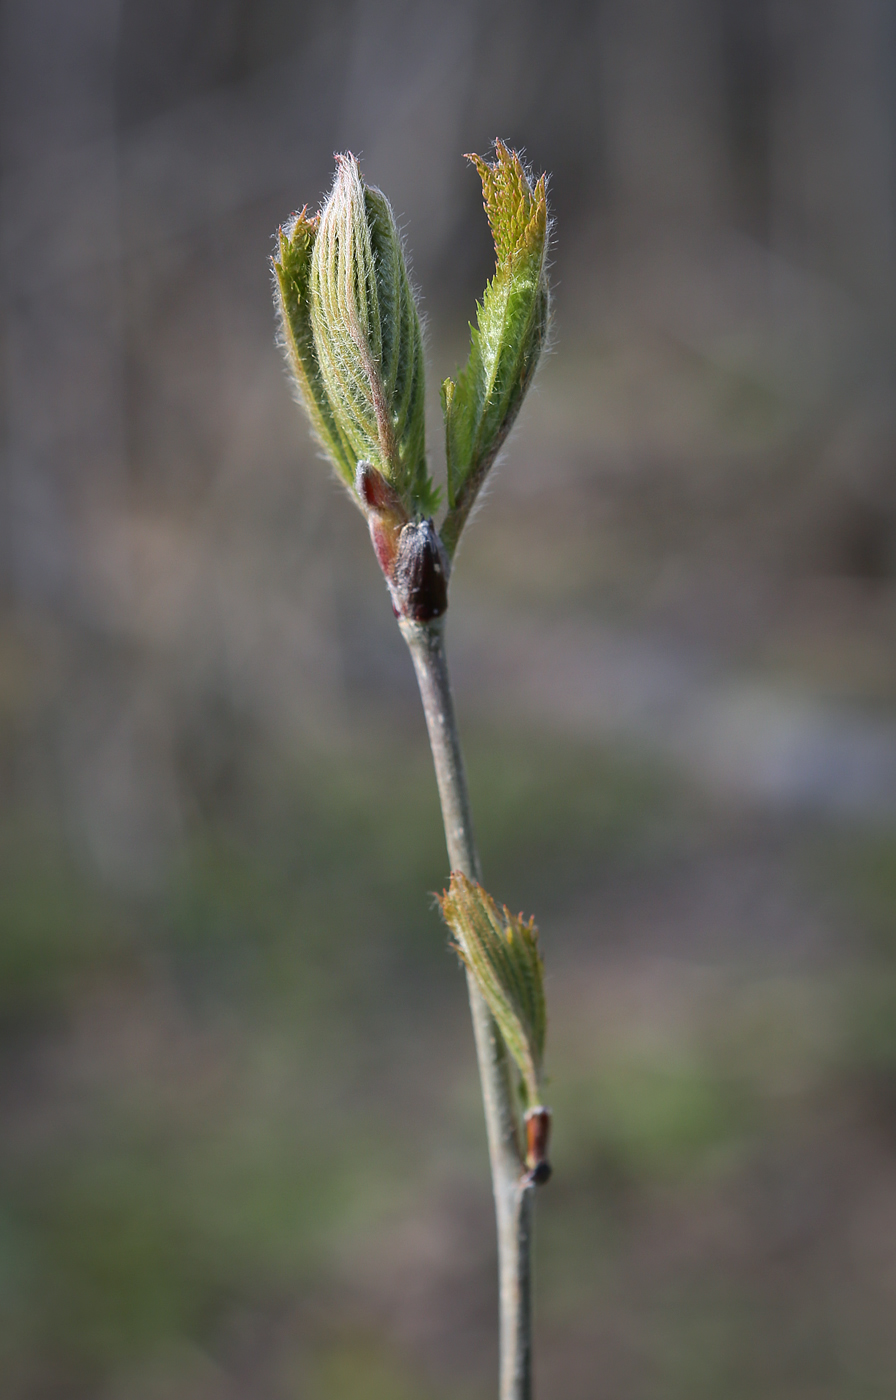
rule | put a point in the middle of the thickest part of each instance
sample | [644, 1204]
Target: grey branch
[514, 1194]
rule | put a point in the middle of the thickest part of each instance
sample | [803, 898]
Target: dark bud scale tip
[420, 581]
[410, 552]
[538, 1131]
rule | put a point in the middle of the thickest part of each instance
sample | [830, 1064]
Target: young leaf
[293, 273]
[501, 952]
[351, 333]
[367, 338]
[506, 343]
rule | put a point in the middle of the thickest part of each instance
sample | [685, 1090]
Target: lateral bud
[538, 1132]
[409, 552]
[420, 586]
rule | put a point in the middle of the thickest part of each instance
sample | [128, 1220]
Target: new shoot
[350, 330]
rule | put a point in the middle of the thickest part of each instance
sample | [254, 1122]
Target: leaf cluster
[351, 332]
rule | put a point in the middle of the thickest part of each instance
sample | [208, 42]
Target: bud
[409, 552]
[420, 588]
[538, 1131]
[506, 344]
[501, 953]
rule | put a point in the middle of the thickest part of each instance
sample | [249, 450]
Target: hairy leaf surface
[501, 951]
[293, 274]
[512, 322]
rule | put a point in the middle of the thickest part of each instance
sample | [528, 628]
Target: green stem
[514, 1194]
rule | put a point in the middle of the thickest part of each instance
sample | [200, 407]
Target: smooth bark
[514, 1193]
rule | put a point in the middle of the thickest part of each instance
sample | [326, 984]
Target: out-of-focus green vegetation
[232, 1095]
[219, 1092]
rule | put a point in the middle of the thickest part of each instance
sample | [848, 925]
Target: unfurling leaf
[501, 952]
[352, 335]
[293, 275]
[506, 343]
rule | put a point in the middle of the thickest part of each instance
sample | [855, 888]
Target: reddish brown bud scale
[538, 1132]
[386, 515]
[384, 538]
[377, 492]
[409, 553]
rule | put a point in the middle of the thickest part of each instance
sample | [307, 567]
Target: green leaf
[367, 338]
[501, 952]
[506, 343]
[403, 368]
[292, 272]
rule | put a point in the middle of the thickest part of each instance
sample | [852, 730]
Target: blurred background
[242, 1153]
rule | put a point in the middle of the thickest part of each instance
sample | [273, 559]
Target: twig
[513, 1189]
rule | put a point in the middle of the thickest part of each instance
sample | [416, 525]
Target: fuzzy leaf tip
[506, 343]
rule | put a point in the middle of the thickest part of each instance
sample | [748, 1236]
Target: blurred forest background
[242, 1155]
